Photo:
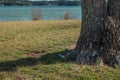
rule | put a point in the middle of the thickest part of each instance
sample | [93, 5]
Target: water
[8, 13]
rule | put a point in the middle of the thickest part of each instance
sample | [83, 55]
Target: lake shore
[29, 51]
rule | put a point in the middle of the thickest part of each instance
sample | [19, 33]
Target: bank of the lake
[28, 51]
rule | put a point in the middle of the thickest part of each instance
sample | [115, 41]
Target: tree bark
[93, 22]
[99, 40]
[89, 44]
[112, 34]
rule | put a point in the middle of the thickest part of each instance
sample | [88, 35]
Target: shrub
[36, 14]
[67, 16]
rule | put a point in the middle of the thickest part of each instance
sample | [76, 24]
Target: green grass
[29, 51]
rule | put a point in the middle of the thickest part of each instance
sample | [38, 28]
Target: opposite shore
[39, 3]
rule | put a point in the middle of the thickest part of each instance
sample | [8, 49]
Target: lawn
[29, 51]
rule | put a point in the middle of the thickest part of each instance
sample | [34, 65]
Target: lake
[12, 13]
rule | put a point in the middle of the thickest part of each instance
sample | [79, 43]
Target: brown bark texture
[99, 40]
[112, 34]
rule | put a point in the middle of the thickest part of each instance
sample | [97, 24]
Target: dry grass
[29, 51]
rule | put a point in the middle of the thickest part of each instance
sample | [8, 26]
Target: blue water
[8, 13]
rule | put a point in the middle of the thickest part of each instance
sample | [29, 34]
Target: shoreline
[40, 20]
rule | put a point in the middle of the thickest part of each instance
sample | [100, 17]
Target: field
[28, 51]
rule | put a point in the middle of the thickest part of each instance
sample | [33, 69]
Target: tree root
[87, 57]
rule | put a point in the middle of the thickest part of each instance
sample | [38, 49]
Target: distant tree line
[41, 3]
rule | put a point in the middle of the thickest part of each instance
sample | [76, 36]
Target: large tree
[112, 34]
[99, 39]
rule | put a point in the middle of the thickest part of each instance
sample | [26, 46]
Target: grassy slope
[29, 51]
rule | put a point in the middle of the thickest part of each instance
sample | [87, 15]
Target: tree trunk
[99, 39]
[93, 22]
[89, 44]
[112, 34]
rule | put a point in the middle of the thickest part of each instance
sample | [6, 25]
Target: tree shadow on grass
[49, 58]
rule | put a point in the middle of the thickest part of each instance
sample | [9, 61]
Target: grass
[29, 51]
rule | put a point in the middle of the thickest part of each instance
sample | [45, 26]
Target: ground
[29, 51]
